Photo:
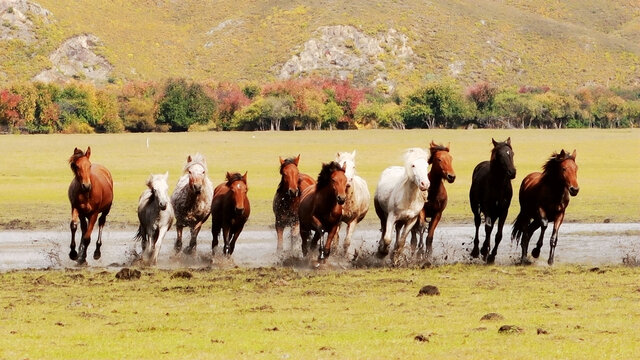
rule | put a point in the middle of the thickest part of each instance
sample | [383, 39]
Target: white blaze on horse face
[420, 174]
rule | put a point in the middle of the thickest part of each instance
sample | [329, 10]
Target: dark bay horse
[441, 170]
[320, 208]
[287, 197]
[544, 197]
[491, 194]
[230, 210]
[90, 194]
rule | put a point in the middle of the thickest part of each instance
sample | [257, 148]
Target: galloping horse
[230, 210]
[320, 208]
[287, 197]
[441, 170]
[544, 197]
[90, 194]
[191, 200]
[357, 204]
[156, 216]
[491, 194]
[399, 197]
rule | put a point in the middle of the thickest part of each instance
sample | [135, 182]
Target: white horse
[358, 197]
[399, 197]
[156, 216]
[191, 200]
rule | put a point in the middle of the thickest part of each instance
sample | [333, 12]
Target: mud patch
[491, 317]
[510, 329]
[128, 274]
[182, 275]
[429, 290]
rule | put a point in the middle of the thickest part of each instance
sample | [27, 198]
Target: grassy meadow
[34, 175]
[566, 312]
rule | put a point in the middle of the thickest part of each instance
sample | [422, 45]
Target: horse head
[196, 167]
[502, 157]
[442, 162]
[348, 161]
[290, 175]
[238, 185]
[332, 174]
[81, 167]
[416, 163]
[158, 184]
[569, 171]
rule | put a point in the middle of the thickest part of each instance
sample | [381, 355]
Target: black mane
[324, 178]
[552, 166]
[286, 162]
[232, 177]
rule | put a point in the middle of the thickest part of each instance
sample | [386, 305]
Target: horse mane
[77, 154]
[324, 178]
[434, 148]
[197, 159]
[551, 168]
[233, 177]
[413, 154]
[287, 161]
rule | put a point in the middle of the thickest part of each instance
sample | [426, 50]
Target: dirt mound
[128, 274]
[429, 290]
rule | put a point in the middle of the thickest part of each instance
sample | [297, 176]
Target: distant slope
[563, 44]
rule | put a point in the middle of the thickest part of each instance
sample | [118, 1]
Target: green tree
[184, 105]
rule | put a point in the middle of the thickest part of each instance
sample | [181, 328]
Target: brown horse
[230, 210]
[287, 197]
[544, 197]
[90, 194]
[320, 208]
[441, 170]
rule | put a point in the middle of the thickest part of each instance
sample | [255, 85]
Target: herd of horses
[409, 199]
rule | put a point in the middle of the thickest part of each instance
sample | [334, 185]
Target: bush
[184, 105]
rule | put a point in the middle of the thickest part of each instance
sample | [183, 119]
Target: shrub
[184, 105]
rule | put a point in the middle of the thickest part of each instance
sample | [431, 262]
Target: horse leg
[86, 239]
[476, 240]
[193, 240]
[236, 234]
[543, 227]
[280, 233]
[524, 243]
[385, 240]
[304, 234]
[334, 244]
[295, 229]
[226, 231]
[401, 237]
[178, 244]
[351, 227]
[158, 242]
[215, 233]
[554, 237]
[326, 249]
[428, 246]
[101, 221]
[492, 257]
[73, 255]
[488, 228]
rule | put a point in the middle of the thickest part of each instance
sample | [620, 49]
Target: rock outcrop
[15, 19]
[76, 58]
[346, 52]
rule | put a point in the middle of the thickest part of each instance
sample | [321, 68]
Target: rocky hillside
[387, 43]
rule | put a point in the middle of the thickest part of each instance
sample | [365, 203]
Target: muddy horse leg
[401, 237]
[554, 237]
[492, 257]
[101, 221]
[157, 243]
[215, 233]
[177, 246]
[326, 249]
[193, 239]
[351, 227]
[488, 228]
[304, 234]
[226, 237]
[428, 251]
[385, 239]
[543, 227]
[280, 233]
[476, 240]
[524, 242]
[236, 234]
[86, 239]
[73, 254]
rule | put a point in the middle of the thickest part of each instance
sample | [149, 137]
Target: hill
[562, 44]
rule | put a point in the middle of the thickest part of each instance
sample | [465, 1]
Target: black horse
[491, 194]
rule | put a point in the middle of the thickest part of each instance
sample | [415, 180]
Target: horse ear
[244, 177]
[166, 176]
[562, 154]
[494, 142]
[295, 161]
[149, 180]
[281, 161]
[449, 146]
[432, 144]
[88, 152]
[344, 166]
[228, 176]
[189, 159]
[353, 153]
[508, 141]
[574, 154]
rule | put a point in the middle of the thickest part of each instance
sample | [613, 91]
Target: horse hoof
[550, 262]
[525, 261]
[96, 255]
[188, 250]
[81, 262]
[491, 259]
[535, 252]
[475, 253]
[73, 255]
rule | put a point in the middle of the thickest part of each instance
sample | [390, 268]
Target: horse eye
[413, 166]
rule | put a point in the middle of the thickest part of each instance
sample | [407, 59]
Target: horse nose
[197, 188]
[239, 210]
[86, 187]
[292, 192]
[163, 206]
[573, 190]
[451, 178]
[513, 175]
[424, 186]
[341, 199]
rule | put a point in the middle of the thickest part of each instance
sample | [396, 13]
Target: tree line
[309, 103]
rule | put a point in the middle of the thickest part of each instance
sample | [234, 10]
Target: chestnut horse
[544, 197]
[287, 197]
[320, 208]
[490, 194]
[230, 210]
[441, 170]
[90, 194]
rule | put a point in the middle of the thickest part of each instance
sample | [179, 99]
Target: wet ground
[589, 244]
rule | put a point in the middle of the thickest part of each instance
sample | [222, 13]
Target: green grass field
[34, 175]
[565, 313]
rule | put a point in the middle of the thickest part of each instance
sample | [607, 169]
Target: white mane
[197, 159]
[411, 155]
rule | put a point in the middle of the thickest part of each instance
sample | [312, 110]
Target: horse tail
[140, 234]
[519, 227]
